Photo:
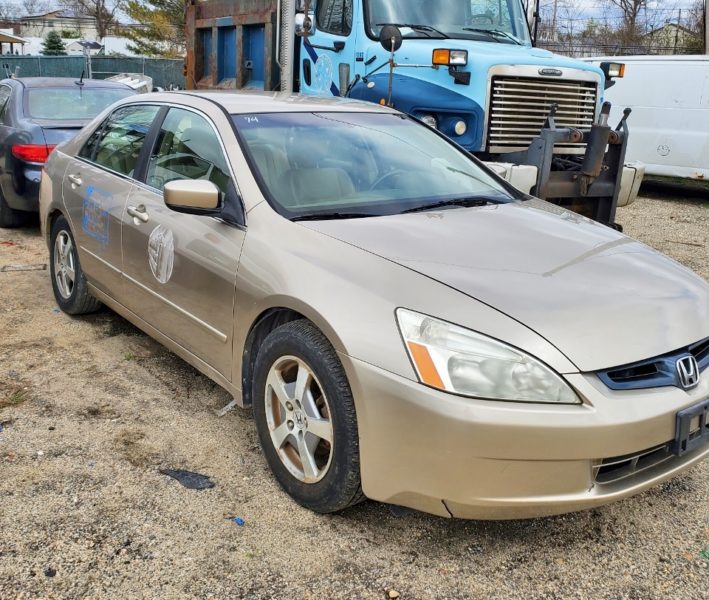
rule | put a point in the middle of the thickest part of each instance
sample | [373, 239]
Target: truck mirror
[390, 38]
[304, 25]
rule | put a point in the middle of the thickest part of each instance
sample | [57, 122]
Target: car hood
[602, 298]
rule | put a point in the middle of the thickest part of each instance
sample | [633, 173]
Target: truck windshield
[341, 165]
[501, 21]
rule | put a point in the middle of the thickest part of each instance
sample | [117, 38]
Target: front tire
[305, 418]
[71, 290]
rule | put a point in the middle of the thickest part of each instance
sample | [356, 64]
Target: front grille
[655, 372]
[620, 467]
[520, 105]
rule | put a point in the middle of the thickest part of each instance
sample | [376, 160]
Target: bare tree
[35, 7]
[631, 14]
[697, 23]
[103, 11]
[9, 11]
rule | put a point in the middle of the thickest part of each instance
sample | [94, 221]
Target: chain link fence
[166, 73]
[578, 50]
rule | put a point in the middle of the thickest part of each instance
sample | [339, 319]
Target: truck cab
[495, 96]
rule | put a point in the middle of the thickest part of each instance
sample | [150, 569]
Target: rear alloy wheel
[68, 282]
[305, 418]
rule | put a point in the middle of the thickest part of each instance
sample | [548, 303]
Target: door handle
[336, 46]
[75, 179]
[139, 213]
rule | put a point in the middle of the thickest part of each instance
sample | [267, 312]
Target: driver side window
[334, 16]
[187, 148]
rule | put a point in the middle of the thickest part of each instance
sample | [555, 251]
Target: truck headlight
[613, 70]
[430, 120]
[458, 360]
[449, 58]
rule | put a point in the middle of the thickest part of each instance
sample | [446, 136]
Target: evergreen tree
[162, 31]
[53, 45]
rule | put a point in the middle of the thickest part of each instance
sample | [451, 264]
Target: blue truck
[466, 67]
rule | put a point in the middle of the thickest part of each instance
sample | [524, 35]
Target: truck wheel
[305, 418]
[10, 217]
[68, 282]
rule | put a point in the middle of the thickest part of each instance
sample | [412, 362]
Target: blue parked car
[36, 114]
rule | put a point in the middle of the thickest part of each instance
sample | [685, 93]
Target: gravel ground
[91, 409]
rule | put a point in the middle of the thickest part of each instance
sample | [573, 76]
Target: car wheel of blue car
[71, 290]
[305, 418]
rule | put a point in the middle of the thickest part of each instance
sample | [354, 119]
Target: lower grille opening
[620, 467]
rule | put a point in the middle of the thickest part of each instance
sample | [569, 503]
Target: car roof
[241, 102]
[39, 82]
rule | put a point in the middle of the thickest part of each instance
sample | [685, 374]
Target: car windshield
[502, 21]
[78, 103]
[340, 165]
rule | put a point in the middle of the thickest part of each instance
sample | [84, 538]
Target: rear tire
[9, 217]
[71, 290]
[303, 407]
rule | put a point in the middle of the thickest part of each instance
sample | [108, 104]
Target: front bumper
[479, 459]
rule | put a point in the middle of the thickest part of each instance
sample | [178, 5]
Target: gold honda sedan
[405, 325]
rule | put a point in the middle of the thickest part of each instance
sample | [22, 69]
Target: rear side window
[187, 148]
[335, 16]
[117, 143]
[70, 104]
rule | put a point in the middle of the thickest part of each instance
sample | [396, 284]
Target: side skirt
[170, 344]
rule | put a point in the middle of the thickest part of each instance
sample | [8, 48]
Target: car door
[180, 269]
[332, 45]
[96, 187]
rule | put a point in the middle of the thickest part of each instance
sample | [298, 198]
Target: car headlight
[457, 360]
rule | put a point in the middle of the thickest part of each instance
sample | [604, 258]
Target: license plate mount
[692, 428]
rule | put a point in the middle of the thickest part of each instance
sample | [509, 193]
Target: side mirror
[390, 38]
[192, 196]
[304, 25]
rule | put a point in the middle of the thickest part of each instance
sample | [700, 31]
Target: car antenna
[81, 79]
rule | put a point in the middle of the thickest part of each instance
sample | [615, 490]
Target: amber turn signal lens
[424, 365]
[441, 56]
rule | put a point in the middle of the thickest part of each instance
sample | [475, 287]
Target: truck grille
[520, 105]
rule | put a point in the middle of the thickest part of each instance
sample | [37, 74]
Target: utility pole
[553, 20]
[679, 24]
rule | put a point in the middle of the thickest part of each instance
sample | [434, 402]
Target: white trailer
[669, 96]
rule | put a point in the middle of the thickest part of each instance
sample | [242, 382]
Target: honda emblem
[688, 371]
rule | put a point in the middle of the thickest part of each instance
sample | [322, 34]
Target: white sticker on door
[161, 253]
[323, 73]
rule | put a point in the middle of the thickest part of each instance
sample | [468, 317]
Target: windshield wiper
[465, 202]
[493, 33]
[416, 27]
[325, 216]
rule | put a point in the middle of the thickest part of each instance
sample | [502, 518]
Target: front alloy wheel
[298, 417]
